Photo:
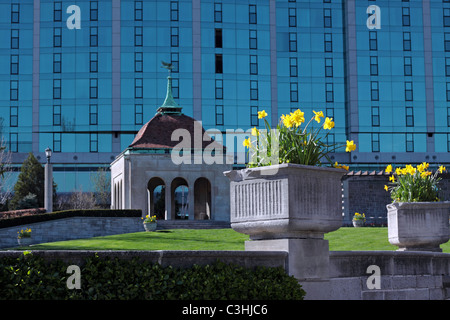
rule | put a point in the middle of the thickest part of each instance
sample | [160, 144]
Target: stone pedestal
[308, 261]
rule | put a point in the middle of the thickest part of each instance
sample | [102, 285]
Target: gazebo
[145, 176]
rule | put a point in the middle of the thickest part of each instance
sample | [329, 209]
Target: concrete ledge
[178, 259]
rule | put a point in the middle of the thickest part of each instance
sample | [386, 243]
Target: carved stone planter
[418, 226]
[286, 201]
[150, 227]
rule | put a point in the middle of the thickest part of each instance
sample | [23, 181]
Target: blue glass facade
[86, 92]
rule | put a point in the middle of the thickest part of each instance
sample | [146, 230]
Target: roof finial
[169, 105]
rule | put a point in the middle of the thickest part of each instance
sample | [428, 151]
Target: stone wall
[72, 228]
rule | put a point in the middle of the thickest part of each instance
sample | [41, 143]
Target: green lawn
[344, 239]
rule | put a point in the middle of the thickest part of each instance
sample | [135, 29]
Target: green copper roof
[169, 106]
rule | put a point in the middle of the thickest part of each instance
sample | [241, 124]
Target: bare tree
[82, 200]
[101, 183]
[5, 172]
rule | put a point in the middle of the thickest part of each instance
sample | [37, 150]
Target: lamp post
[48, 190]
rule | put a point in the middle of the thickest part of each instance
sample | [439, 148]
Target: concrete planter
[286, 201]
[418, 226]
[150, 226]
[26, 241]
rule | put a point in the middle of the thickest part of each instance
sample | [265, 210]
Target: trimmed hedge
[31, 277]
[5, 223]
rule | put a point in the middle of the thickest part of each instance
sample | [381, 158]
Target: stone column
[168, 200]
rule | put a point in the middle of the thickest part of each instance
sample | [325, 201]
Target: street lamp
[48, 154]
[48, 189]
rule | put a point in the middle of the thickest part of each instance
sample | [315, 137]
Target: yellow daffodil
[351, 146]
[341, 166]
[388, 169]
[262, 114]
[318, 115]
[298, 117]
[386, 188]
[392, 178]
[255, 132]
[329, 124]
[247, 143]
[441, 169]
[287, 121]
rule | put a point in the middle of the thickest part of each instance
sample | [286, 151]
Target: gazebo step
[192, 224]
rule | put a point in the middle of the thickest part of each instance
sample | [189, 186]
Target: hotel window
[13, 116]
[253, 43]
[408, 91]
[252, 14]
[57, 11]
[292, 42]
[375, 116]
[447, 42]
[138, 114]
[173, 11]
[292, 17]
[138, 11]
[373, 66]
[93, 142]
[57, 34]
[93, 62]
[56, 115]
[448, 142]
[175, 59]
[138, 62]
[373, 41]
[174, 42]
[329, 112]
[14, 68]
[407, 66]
[57, 63]
[56, 142]
[219, 115]
[138, 36]
[446, 17]
[374, 91]
[375, 142]
[218, 38]
[448, 91]
[219, 63]
[406, 19]
[329, 92]
[409, 142]
[294, 92]
[13, 142]
[328, 42]
[253, 90]
[328, 67]
[13, 90]
[409, 116]
[219, 89]
[217, 12]
[14, 38]
[15, 16]
[253, 64]
[447, 66]
[138, 88]
[93, 88]
[293, 67]
[327, 18]
[254, 116]
[93, 39]
[448, 116]
[406, 41]
[93, 114]
[93, 12]
[176, 88]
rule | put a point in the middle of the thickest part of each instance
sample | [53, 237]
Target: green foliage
[28, 202]
[5, 223]
[30, 277]
[31, 180]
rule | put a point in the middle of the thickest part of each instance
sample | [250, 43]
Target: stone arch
[156, 205]
[202, 199]
[179, 207]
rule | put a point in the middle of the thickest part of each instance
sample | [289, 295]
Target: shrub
[31, 277]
